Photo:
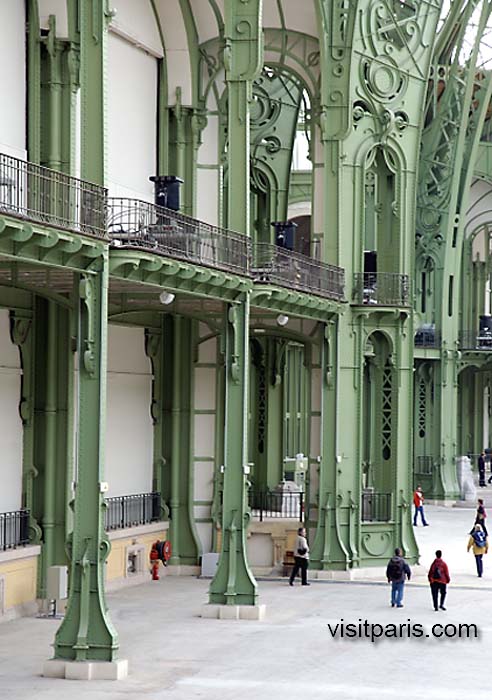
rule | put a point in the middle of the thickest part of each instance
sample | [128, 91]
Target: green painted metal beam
[233, 583]
[86, 633]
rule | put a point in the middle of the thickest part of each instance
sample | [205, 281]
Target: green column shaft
[234, 583]
[239, 92]
[243, 58]
[328, 550]
[93, 39]
[50, 429]
[182, 531]
[86, 632]
[54, 159]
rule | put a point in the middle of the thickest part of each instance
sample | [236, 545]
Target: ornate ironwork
[128, 511]
[427, 338]
[268, 504]
[423, 465]
[381, 289]
[376, 507]
[14, 529]
[473, 340]
[35, 193]
[276, 265]
[136, 224]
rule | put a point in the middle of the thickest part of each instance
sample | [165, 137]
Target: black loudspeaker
[485, 324]
[166, 190]
[285, 234]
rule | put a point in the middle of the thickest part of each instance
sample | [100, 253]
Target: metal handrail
[135, 509]
[427, 339]
[376, 507]
[381, 289]
[39, 194]
[271, 504]
[475, 340]
[275, 265]
[136, 224]
[14, 529]
[424, 465]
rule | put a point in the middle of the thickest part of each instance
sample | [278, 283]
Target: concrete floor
[176, 655]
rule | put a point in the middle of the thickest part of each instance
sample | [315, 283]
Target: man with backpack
[478, 541]
[396, 573]
[438, 578]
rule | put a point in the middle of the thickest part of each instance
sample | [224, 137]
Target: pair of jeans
[479, 560]
[437, 588]
[419, 509]
[397, 592]
[302, 564]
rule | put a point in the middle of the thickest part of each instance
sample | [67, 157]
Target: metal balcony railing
[376, 507]
[423, 465]
[275, 265]
[427, 338]
[474, 340]
[137, 224]
[128, 511]
[14, 529]
[381, 289]
[35, 193]
[268, 504]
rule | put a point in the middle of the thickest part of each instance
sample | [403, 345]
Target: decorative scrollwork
[376, 543]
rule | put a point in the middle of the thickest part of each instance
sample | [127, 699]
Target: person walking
[396, 573]
[480, 517]
[418, 502]
[478, 541]
[481, 469]
[301, 558]
[438, 578]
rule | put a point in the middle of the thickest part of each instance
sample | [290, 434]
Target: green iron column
[50, 437]
[86, 633]
[243, 61]
[160, 478]
[94, 17]
[178, 378]
[328, 550]
[234, 583]
[22, 334]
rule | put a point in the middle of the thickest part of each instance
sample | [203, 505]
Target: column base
[233, 612]
[181, 570]
[86, 670]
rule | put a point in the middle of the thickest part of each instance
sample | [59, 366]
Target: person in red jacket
[418, 502]
[438, 578]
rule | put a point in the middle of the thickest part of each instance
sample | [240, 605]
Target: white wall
[478, 214]
[205, 401]
[132, 120]
[58, 8]
[129, 432]
[11, 432]
[12, 78]
[177, 54]
[137, 20]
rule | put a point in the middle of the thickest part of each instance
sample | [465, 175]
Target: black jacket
[405, 570]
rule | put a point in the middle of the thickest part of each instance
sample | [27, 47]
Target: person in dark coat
[481, 469]
[438, 578]
[397, 572]
[301, 558]
[480, 517]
